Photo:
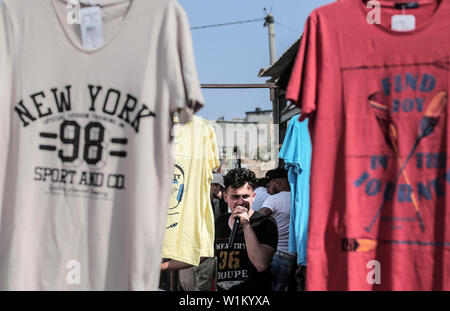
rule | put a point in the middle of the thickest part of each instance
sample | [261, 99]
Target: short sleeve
[269, 232]
[316, 75]
[302, 85]
[213, 158]
[291, 148]
[210, 153]
[270, 203]
[186, 69]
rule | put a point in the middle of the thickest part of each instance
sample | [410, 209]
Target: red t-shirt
[377, 99]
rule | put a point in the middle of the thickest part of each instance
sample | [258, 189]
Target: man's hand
[241, 212]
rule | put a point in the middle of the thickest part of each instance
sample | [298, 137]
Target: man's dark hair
[237, 177]
[262, 182]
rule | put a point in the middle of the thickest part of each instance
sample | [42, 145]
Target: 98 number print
[93, 142]
[94, 134]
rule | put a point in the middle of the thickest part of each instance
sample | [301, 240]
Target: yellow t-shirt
[190, 223]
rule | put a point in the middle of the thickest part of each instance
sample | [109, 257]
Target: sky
[235, 54]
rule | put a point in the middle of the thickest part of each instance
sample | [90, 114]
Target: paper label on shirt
[91, 27]
[403, 22]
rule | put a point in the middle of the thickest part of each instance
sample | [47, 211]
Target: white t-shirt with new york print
[85, 158]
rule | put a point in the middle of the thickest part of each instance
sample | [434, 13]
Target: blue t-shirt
[296, 152]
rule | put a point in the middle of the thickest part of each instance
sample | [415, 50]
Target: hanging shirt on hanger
[190, 224]
[296, 152]
[375, 85]
[85, 165]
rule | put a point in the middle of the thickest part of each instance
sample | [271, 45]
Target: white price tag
[403, 22]
[91, 27]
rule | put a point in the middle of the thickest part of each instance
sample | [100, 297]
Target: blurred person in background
[218, 204]
[261, 194]
[278, 205]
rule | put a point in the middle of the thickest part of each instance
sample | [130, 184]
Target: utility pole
[270, 21]
[270, 24]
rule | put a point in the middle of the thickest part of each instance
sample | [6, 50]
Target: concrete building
[247, 142]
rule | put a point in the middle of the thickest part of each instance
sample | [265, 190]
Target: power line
[228, 24]
[288, 27]
[244, 22]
